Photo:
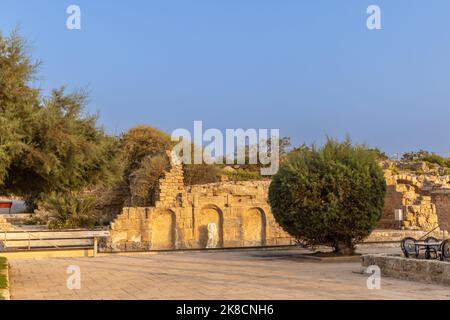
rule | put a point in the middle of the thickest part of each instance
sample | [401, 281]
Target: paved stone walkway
[221, 275]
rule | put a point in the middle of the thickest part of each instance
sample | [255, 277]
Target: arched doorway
[254, 227]
[163, 230]
[209, 214]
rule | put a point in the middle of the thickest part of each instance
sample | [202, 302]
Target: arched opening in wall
[254, 227]
[207, 215]
[163, 230]
[408, 183]
[392, 201]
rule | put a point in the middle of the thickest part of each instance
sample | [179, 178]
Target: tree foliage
[200, 173]
[146, 161]
[145, 180]
[18, 101]
[143, 142]
[329, 196]
[63, 151]
[428, 157]
[415, 155]
[47, 144]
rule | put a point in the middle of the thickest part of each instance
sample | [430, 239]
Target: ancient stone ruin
[423, 196]
[180, 218]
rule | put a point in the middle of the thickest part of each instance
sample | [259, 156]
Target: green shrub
[437, 159]
[243, 175]
[70, 210]
[33, 221]
[201, 174]
[143, 142]
[146, 162]
[430, 158]
[415, 155]
[145, 180]
[329, 196]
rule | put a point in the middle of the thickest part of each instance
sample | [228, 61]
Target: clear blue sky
[308, 67]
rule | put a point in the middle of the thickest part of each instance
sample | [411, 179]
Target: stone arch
[408, 180]
[254, 224]
[208, 214]
[163, 230]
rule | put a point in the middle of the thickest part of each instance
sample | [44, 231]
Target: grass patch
[3, 283]
[243, 175]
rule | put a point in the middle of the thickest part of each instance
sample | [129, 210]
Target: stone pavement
[264, 274]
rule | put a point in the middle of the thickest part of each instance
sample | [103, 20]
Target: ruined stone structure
[441, 199]
[181, 216]
[424, 198]
[242, 216]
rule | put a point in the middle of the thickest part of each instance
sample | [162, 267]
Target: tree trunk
[344, 249]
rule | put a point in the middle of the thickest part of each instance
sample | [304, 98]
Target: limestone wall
[242, 214]
[171, 187]
[441, 198]
[424, 199]
[382, 235]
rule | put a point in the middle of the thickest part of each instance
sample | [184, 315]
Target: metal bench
[445, 250]
[409, 247]
[432, 248]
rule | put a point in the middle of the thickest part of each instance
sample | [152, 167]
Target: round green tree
[332, 196]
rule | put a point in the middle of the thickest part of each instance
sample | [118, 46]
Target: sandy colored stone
[4, 225]
[419, 195]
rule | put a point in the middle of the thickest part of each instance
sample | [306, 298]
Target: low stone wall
[427, 271]
[383, 235]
